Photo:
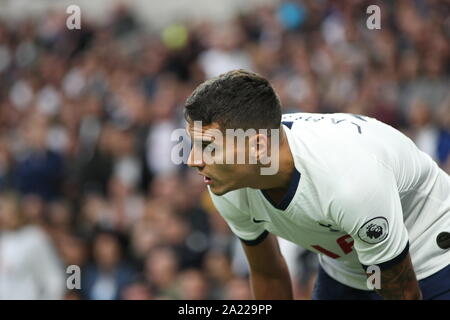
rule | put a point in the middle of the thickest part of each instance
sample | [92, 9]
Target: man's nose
[195, 160]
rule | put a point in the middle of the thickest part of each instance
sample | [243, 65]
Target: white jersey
[362, 194]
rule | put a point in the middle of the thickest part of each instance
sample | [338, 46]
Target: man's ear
[258, 146]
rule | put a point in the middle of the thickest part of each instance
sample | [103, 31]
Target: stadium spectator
[108, 275]
[29, 265]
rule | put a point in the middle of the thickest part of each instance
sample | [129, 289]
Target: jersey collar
[287, 198]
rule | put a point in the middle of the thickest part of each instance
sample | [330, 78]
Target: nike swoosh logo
[258, 221]
[329, 227]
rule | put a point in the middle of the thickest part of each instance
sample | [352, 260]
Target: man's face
[207, 148]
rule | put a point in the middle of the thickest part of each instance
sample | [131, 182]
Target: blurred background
[86, 118]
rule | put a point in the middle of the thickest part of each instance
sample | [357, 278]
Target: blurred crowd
[86, 118]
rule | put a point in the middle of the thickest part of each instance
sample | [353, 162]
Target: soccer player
[348, 187]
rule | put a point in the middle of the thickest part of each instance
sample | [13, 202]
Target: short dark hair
[236, 99]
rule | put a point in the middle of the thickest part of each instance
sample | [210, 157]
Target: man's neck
[279, 182]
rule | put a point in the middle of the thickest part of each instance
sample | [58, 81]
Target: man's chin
[218, 191]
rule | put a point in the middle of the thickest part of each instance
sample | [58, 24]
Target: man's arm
[268, 270]
[399, 282]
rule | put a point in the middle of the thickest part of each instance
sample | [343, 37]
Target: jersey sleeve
[239, 221]
[368, 208]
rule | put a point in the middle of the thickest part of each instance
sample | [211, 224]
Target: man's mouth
[207, 180]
